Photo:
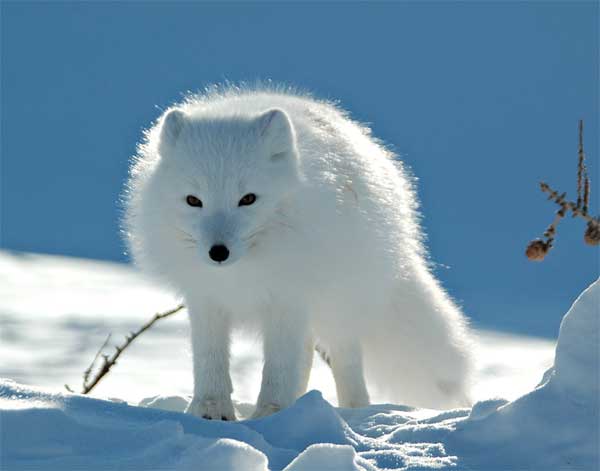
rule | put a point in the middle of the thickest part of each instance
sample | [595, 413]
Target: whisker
[182, 231]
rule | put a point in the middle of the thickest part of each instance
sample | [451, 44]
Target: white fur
[331, 252]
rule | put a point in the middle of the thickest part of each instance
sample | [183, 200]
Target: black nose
[218, 253]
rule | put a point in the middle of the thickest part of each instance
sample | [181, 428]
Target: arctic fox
[268, 209]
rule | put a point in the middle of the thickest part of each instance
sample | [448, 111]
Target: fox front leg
[288, 351]
[345, 360]
[212, 383]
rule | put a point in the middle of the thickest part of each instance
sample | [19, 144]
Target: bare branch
[88, 371]
[107, 362]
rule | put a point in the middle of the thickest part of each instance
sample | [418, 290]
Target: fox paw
[263, 410]
[212, 408]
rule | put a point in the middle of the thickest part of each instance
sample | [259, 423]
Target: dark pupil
[248, 199]
[193, 201]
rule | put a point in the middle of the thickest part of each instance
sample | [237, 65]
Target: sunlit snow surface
[55, 312]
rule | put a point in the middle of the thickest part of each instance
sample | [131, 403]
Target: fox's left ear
[277, 131]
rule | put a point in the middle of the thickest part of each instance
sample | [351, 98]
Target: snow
[75, 304]
[55, 312]
[577, 363]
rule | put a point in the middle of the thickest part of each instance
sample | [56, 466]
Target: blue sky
[481, 99]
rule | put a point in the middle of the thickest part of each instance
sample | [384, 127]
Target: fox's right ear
[172, 125]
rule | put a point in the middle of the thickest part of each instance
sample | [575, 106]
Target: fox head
[221, 181]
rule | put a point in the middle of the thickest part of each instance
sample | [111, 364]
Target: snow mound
[328, 457]
[170, 403]
[557, 425]
[63, 431]
[577, 362]
[319, 423]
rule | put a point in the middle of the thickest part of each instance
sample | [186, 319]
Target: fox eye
[193, 201]
[247, 200]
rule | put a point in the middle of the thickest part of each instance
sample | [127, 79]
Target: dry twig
[538, 248]
[107, 362]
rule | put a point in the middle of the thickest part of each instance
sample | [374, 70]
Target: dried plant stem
[586, 193]
[580, 166]
[537, 249]
[566, 205]
[107, 362]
